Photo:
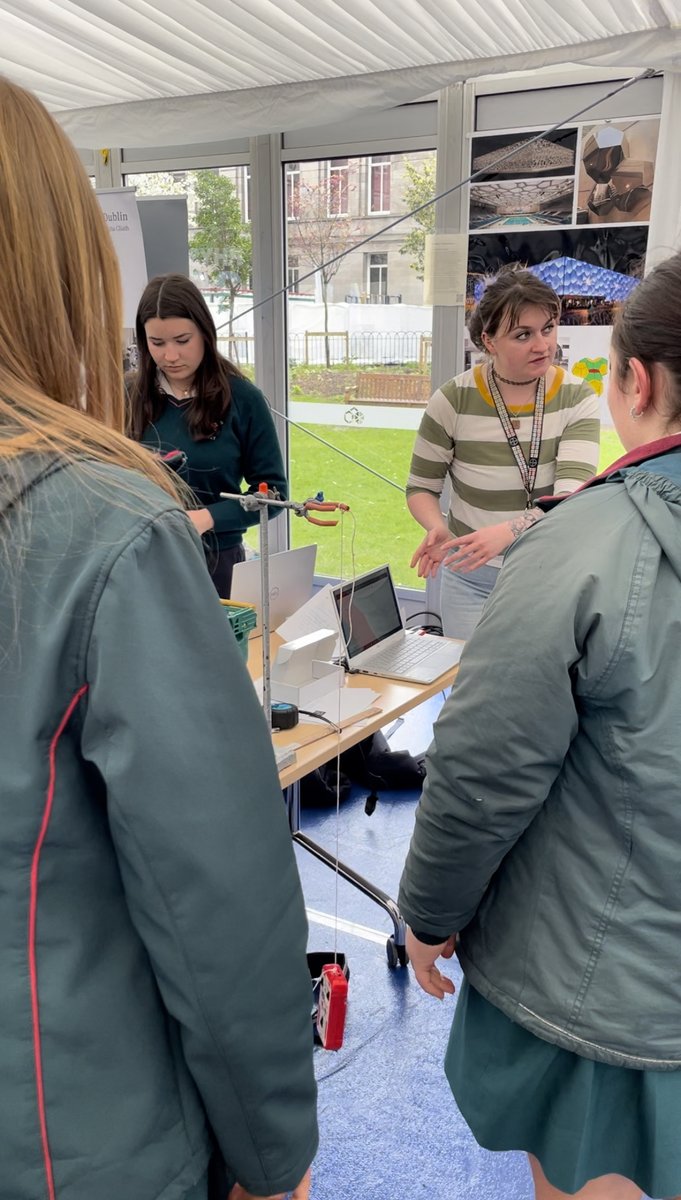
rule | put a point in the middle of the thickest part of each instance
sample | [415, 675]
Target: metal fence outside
[239, 348]
[365, 349]
[373, 298]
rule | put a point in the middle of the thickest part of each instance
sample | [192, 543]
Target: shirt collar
[164, 386]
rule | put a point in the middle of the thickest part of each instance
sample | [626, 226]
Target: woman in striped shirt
[505, 434]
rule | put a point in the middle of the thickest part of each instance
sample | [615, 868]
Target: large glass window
[359, 351]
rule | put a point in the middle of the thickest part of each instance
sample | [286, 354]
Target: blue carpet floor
[389, 1126]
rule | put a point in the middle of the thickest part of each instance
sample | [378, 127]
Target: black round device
[284, 716]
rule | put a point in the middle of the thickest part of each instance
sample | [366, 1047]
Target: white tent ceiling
[178, 71]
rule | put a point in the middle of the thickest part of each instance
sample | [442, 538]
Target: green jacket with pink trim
[152, 928]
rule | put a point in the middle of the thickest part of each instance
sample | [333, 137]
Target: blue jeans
[463, 597]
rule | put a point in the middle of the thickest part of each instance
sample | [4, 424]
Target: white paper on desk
[340, 706]
[319, 612]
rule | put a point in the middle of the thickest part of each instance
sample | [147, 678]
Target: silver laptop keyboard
[413, 651]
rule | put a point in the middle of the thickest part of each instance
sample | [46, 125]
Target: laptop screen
[373, 614]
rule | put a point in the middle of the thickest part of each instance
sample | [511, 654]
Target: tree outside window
[419, 189]
[318, 238]
[222, 240]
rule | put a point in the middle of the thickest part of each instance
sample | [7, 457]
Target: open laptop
[376, 641]
[291, 579]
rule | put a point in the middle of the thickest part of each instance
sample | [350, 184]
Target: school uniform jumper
[244, 447]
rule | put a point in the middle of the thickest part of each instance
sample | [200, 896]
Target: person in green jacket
[155, 1007]
[546, 845]
[186, 397]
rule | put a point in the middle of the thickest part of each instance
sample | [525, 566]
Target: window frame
[380, 166]
[338, 168]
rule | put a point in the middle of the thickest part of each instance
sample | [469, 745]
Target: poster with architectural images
[616, 172]
[618, 249]
[573, 206]
[527, 155]
[521, 203]
[523, 181]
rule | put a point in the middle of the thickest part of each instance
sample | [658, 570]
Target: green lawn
[611, 448]
[385, 531]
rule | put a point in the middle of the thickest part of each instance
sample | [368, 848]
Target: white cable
[338, 713]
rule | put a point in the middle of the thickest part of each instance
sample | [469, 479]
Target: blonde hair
[61, 368]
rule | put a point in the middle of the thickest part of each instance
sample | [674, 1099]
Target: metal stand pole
[262, 501]
[265, 589]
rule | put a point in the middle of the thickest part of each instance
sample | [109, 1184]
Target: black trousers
[220, 564]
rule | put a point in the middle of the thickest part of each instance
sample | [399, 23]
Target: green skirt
[579, 1118]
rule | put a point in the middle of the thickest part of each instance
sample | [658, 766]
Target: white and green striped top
[461, 436]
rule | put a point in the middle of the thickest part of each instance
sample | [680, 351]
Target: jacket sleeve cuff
[430, 939]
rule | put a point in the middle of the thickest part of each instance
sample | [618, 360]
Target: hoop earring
[634, 414]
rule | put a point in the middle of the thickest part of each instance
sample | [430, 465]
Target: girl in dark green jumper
[187, 397]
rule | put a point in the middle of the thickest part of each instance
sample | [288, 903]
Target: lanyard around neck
[527, 467]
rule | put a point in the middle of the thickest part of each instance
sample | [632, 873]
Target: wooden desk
[314, 747]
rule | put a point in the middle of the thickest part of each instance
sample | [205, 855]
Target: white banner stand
[119, 206]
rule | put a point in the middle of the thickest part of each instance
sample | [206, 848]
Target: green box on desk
[243, 618]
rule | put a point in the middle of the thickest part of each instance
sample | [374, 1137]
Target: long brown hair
[175, 296]
[504, 297]
[61, 362]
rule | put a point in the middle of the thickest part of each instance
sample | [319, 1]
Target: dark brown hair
[648, 327]
[168, 296]
[504, 297]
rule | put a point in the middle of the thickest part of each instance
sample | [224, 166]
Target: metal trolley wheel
[397, 954]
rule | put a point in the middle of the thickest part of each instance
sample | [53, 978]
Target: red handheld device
[333, 1001]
